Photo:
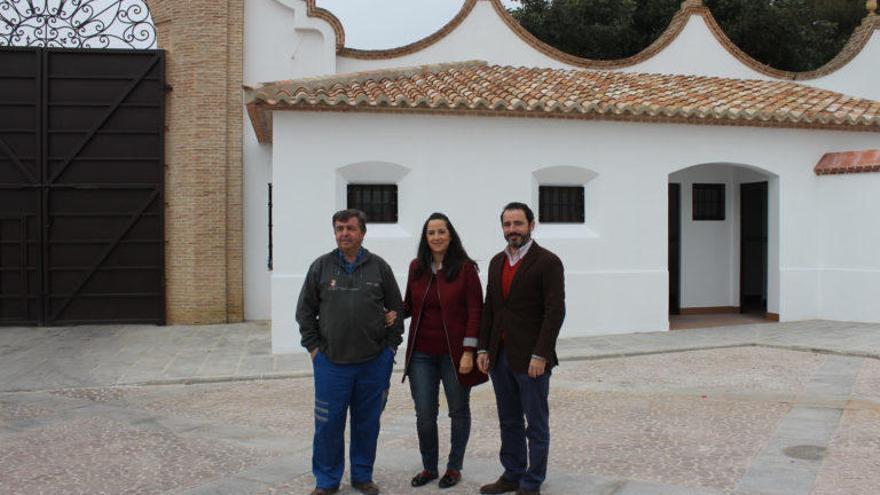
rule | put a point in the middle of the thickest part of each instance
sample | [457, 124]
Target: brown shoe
[522, 491]
[325, 491]
[503, 485]
[367, 488]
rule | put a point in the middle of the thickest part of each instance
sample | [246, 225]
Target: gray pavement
[790, 408]
[88, 356]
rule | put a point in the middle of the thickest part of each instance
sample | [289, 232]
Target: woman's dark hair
[455, 256]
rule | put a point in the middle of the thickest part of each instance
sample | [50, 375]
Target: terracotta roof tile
[474, 87]
[849, 162]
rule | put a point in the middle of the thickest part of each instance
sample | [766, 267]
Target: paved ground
[748, 410]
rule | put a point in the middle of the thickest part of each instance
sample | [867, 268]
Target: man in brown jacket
[524, 309]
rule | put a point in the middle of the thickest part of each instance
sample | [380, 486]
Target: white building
[774, 210]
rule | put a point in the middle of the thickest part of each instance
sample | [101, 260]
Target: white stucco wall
[280, 42]
[849, 223]
[469, 167]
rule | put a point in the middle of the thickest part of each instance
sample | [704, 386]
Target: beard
[517, 241]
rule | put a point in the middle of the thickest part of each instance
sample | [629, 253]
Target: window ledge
[386, 231]
[564, 231]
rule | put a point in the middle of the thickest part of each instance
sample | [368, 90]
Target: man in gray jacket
[341, 316]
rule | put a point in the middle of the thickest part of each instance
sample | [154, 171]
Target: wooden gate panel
[20, 193]
[105, 173]
[81, 186]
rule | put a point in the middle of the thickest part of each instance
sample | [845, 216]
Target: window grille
[708, 201]
[561, 204]
[269, 258]
[377, 201]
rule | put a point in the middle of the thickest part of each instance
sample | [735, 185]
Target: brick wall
[203, 40]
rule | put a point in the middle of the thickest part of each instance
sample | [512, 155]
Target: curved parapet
[857, 42]
[457, 41]
[325, 15]
[675, 28]
[414, 46]
[527, 42]
[289, 39]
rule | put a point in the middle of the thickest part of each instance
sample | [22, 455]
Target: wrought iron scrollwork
[77, 24]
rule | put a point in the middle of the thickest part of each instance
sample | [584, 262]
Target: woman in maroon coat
[444, 298]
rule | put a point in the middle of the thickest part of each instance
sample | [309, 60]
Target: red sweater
[507, 274]
[431, 334]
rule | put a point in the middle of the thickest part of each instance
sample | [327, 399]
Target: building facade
[737, 139]
[688, 177]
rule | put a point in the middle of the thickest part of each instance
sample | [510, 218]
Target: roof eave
[261, 120]
[261, 117]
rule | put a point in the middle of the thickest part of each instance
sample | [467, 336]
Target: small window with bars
[377, 201]
[561, 204]
[708, 201]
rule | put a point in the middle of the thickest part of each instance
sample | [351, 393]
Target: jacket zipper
[446, 331]
[416, 333]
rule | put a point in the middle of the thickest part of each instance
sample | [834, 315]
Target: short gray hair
[345, 215]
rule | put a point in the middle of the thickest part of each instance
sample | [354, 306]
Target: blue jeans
[425, 373]
[361, 388]
[518, 396]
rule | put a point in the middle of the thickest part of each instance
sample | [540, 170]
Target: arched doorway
[723, 245]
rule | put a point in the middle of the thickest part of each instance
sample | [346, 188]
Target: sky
[377, 24]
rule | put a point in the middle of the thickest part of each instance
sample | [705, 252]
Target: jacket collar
[362, 257]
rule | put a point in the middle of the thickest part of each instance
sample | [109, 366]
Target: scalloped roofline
[856, 43]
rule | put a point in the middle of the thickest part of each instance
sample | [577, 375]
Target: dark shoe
[522, 491]
[450, 479]
[325, 491]
[423, 478]
[503, 485]
[367, 488]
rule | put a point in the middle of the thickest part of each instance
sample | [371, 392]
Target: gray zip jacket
[343, 314]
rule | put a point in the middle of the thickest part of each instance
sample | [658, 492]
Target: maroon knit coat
[461, 302]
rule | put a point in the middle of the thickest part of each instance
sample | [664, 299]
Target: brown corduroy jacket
[532, 314]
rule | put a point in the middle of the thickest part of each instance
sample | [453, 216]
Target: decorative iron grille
[77, 24]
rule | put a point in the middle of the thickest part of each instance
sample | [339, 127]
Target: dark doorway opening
[753, 248]
[674, 250]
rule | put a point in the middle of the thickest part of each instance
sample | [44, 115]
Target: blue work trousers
[524, 415]
[362, 389]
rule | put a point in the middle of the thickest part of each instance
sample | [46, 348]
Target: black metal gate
[81, 186]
